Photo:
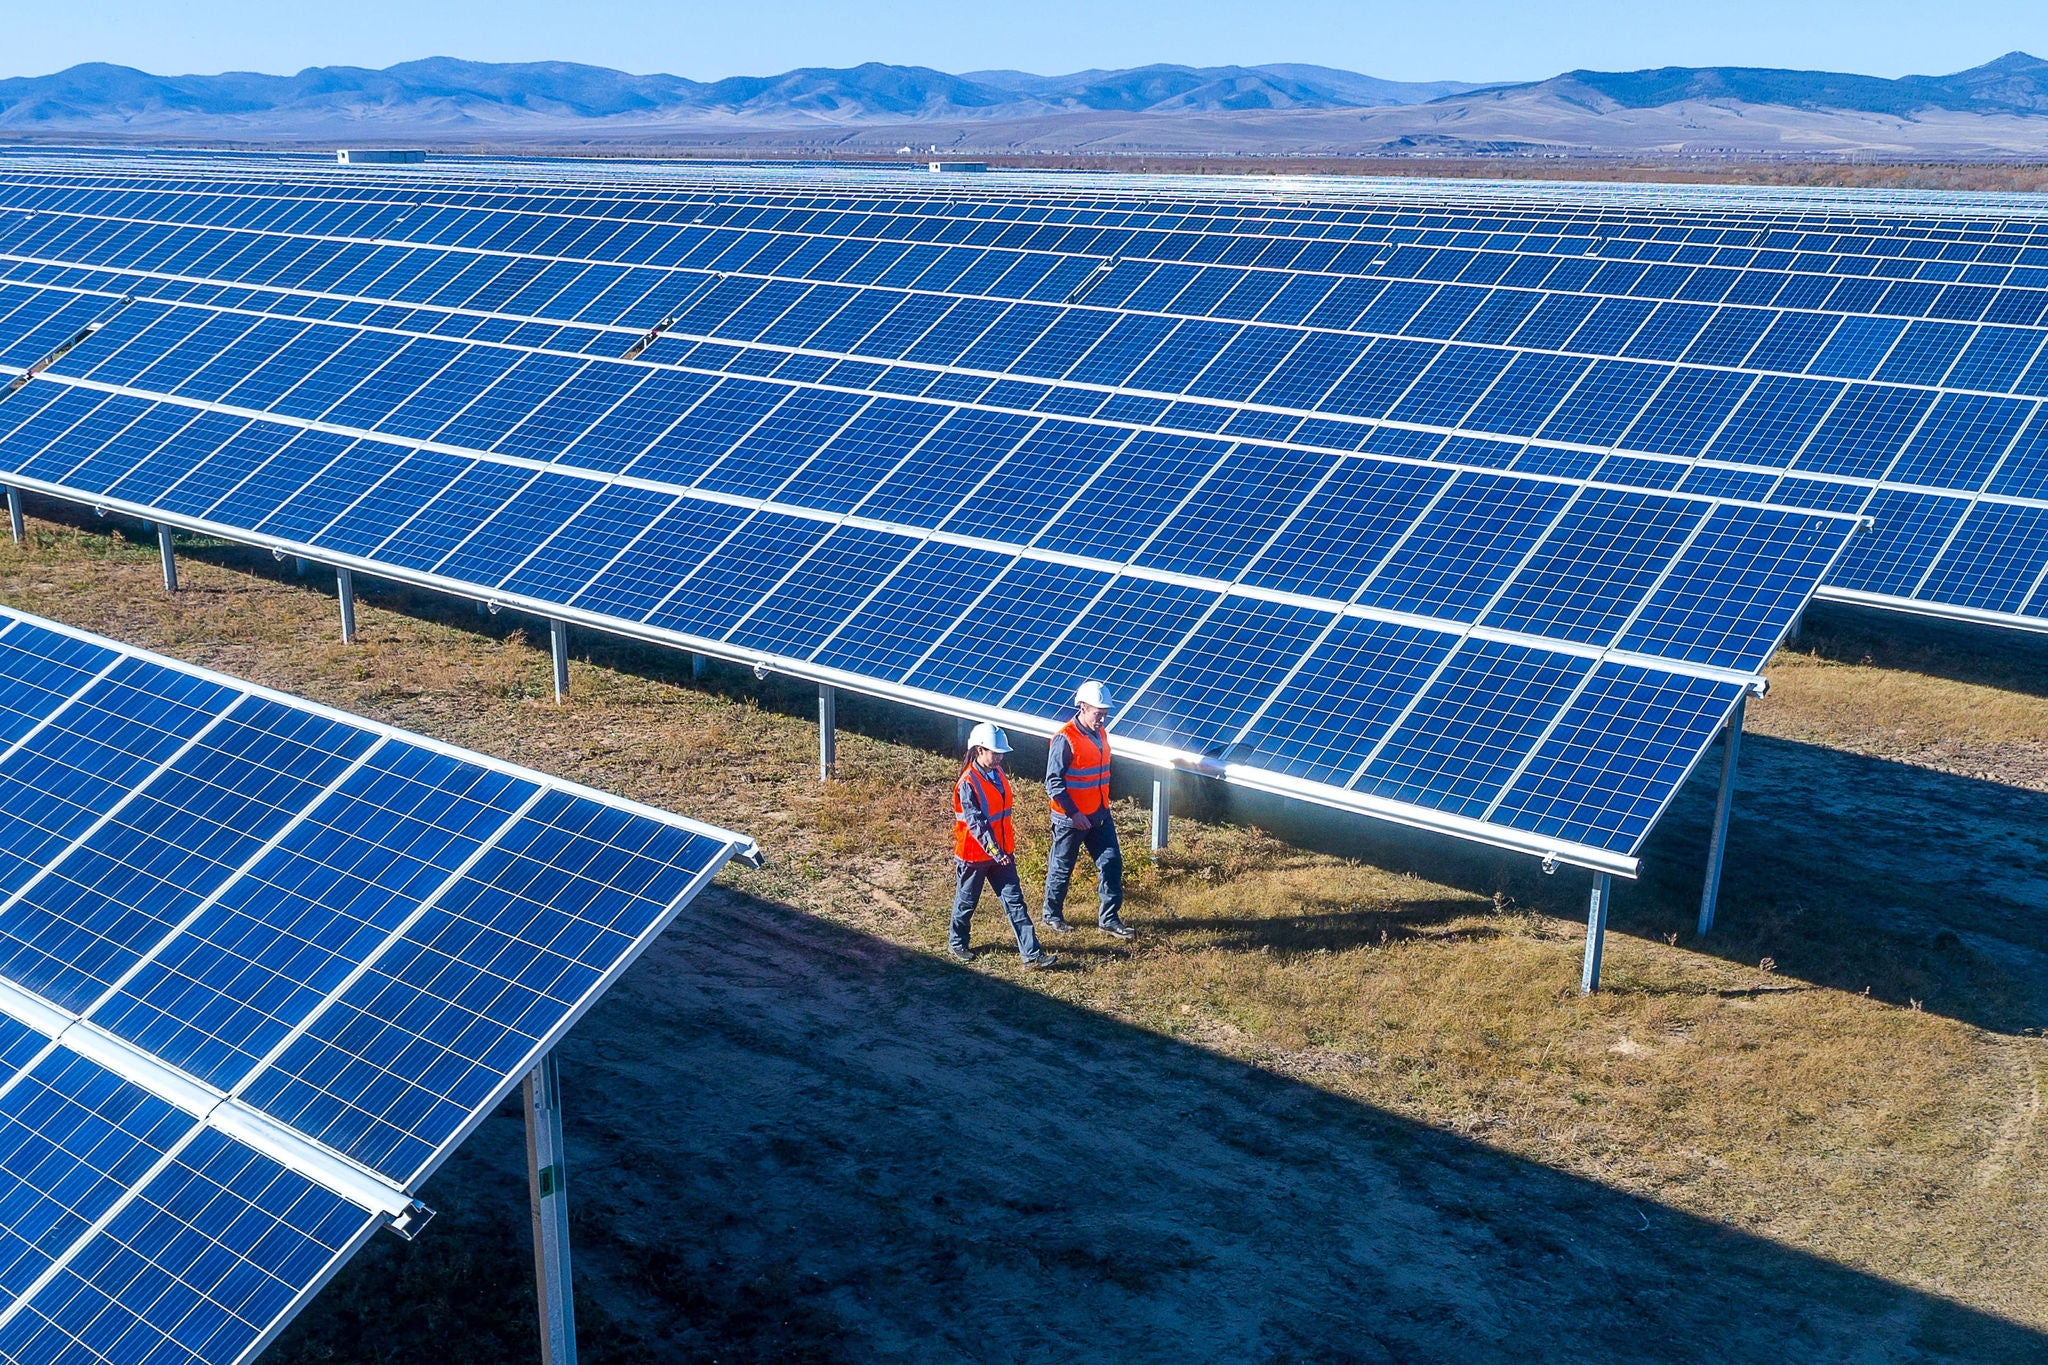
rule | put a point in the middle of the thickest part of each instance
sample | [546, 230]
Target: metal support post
[1710, 892]
[828, 732]
[1798, 624]
[698, 663]
[546, 1184]
[1596, 934]
[963, 727]
[299, 567]
[14, 513]
[163, 546]
[1162, 806]
[345, 589]
[558, 641]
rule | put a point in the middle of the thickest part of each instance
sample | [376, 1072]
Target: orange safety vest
[995, 799]
[1088, 773]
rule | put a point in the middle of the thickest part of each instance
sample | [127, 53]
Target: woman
[985, 846]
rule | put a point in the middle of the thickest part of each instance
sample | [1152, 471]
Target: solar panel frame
[275, 1242]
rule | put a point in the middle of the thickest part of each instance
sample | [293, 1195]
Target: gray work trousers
[1100, 841]
[1002, 877]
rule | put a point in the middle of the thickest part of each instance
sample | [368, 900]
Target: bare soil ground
[1324, 1108]
[1815, 172]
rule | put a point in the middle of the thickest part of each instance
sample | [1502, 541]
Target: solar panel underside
[262, 966]
[1288, 484]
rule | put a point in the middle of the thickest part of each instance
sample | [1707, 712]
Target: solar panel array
[1479, 517]
[262, 966]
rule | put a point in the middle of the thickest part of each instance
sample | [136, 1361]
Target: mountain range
[1999, 109]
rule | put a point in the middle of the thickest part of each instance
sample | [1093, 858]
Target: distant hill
[2014, 84]
[441, 91]
[1999, 109]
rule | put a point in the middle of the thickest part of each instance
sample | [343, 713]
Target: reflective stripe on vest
[995, 799]
[1087, 770]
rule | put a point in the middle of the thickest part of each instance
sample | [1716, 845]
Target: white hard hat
[990, 737]
[1092, 693]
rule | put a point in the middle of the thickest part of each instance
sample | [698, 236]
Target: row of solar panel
[1439, 308]
[1961, 442]
[350, 929]
[332, 924]
[679, 429]
[916, 464]
[580, 234]
[1059, 223]
[1818, 426]
[1253, 267]
[1280, 684]
[618, 417]
[1204, 204]
[1292, 367]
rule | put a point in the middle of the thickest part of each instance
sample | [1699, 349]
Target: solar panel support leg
[1596, 934]
[163, 548]
[558, 644]
[345, 589]
[14, 513]
[1162, 806]
[828, 732]
[1798, 623]
[547, 1186]
[1710, 891]
[698, 663]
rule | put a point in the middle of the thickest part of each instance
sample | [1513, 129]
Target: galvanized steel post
[558, 643]
[163, 547]
[1710, 892]
[1162, 806]
[14, 513]
[547, 1186]
[828, 732]
[1596, 934]
[698, 663]
[345, 589]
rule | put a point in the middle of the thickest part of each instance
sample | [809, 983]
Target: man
[1077, 780]
[985, 847]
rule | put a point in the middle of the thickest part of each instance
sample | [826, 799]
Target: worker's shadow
[1329, 931]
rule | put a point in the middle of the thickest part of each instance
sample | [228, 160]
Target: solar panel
[859, 421]
[1676, 409]
[262, 966]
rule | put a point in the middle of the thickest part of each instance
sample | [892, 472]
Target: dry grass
[1813, 173]
[1870, 1131]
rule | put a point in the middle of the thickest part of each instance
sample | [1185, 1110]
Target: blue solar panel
[1186, 401]
[240, 934]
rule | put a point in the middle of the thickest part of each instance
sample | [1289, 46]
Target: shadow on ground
[1928, 889]
[788, 1141]
[1961, 651]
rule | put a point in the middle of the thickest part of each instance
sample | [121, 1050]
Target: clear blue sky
[1402, 39]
